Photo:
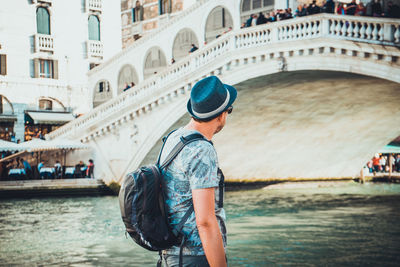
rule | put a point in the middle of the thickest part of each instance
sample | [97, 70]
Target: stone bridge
[318, 96]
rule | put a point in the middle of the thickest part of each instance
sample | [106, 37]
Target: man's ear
[221, 116]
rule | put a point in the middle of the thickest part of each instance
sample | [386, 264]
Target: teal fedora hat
[209, 98]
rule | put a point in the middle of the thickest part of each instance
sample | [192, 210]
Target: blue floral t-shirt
[195, 167]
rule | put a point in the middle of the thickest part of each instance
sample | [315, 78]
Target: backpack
[142, 203]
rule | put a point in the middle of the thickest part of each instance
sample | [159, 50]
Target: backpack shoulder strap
[178, 148]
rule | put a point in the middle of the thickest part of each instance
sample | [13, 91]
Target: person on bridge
[194, 177]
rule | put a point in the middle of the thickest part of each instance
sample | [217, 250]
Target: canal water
[305, 224]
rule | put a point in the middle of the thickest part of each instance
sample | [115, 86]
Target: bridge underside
[305, 124]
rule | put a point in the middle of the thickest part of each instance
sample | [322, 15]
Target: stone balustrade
[94, 49]
[237, 49]
[44, 43]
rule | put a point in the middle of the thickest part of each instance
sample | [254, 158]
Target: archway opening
[218, 22]
[127, 78]
[101, 93]
[155, 62]
[183, 43]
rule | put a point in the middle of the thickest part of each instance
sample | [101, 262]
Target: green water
[335, 224]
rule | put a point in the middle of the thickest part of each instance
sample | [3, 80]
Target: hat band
[214, 112]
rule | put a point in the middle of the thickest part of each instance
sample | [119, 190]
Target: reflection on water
[343, 224]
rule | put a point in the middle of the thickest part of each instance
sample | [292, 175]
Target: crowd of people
[381, 163]
[21, 169]
[373, 8]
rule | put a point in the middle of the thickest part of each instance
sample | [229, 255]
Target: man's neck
[205, 129]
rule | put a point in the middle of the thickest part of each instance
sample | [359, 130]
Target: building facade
[46, 49]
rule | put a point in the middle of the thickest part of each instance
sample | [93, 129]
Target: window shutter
[36, 65]
[3, 64]
[141, 13]
[55, 69]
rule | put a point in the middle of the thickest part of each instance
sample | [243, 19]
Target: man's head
[210, 101]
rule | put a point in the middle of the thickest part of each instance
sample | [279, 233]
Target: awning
[50, 117]
[35, 145]
[9, 146]
[8, 118]
[390, 149]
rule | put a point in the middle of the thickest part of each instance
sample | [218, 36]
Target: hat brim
[232, 97]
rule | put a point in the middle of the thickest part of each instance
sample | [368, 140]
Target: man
[27, 168]
[194, 48]
[351, 8]
[193, 177]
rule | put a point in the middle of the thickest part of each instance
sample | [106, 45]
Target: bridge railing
[361, 29]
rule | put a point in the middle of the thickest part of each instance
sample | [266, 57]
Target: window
[45, 104]
[3, 65]
[104, 87]
[137, 12]
[45, 68]
[250, 5]
[94, 28]
[164, 6]
[43, 21]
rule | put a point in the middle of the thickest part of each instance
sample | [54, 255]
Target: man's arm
[206, 221]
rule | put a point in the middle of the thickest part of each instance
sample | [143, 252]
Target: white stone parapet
[44, 43]
[94, 49]
[240, 47]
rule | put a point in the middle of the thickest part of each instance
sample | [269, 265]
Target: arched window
[43, 21]
[137, 12]
[45, 104]
[94, 28]
[164, 6]
[5, 106]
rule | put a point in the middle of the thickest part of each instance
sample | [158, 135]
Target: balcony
[44, 43]
[93, 5]
[137, 28]
[42, 1]
[94, 49]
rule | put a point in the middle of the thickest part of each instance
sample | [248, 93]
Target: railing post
[388, 33]
[325, 27]
[275, 34]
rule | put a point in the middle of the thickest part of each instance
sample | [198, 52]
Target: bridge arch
[315, 105]
[182, 43]
[219, 20]
[101, 92]
[154, 61]
[126, 76]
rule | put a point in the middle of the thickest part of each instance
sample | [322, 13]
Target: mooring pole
[362, 175]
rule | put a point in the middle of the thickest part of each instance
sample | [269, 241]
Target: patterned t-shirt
[195, 167]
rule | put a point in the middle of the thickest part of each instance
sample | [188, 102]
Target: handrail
[371, 30]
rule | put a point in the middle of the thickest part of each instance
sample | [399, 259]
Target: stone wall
[150, 18]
